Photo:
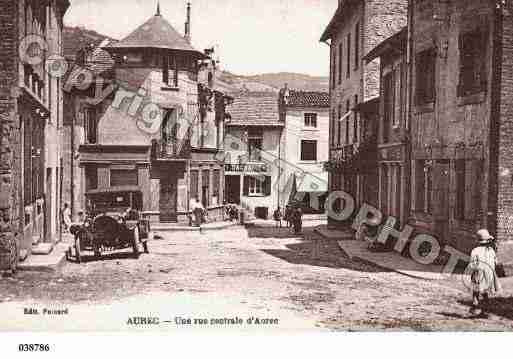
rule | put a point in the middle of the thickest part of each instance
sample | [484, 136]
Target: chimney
[188, 23]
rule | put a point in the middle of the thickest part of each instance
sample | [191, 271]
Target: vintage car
[113, 222]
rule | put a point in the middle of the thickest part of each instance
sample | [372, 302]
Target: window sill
[170, 88]
[425, 107]
[256, 196]
[471, 99]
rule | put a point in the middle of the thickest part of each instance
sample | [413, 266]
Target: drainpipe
[409, 147]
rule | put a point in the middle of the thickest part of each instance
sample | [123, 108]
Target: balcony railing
[172, 149]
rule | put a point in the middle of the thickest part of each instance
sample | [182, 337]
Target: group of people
[293, 217]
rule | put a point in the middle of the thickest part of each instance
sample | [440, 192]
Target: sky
[253, 36]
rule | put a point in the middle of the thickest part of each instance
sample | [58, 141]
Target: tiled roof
[76, 38]
[254, 109]
[299, 98]
[157, 33]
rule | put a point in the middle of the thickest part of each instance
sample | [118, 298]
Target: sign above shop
[245, 167]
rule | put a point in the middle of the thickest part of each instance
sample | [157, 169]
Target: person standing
[482, 267]
[66, 217]
[198, 212]
[288, 216]
[277, 215]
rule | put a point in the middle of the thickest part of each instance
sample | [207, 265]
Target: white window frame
[256, 186]
[308, 117]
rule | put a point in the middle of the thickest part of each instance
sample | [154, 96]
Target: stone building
[276, 144]
[305, 137]
[357, 27]
[462, 118]
[31, 123]
[253, 143]
[148, 125]
[393, 126]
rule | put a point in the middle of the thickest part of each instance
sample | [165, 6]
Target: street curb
[366, 261]
[158, 229]
[50, 267]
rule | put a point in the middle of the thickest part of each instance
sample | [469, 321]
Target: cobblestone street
[260, 271]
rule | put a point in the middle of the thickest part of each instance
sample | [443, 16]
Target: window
[425, 77]
[389, 100]
[348, 108]
[91, 125]
[340, 58]
[423, 186]
[170, 63]
[357, 46]
[257, 186]
[348, 74]
[91, 177]
[310, 120]
[255, 139]
[355, 121]
[460, 189]
[473, 75]
[123, 178]
[308, 150]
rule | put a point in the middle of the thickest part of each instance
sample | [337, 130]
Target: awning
[312, 182]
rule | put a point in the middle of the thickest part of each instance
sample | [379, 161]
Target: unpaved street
[258, 272]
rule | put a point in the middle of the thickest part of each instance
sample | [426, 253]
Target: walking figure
[277, 217]
[288, 216]
[482, 267]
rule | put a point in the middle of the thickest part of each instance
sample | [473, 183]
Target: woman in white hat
[484, 279]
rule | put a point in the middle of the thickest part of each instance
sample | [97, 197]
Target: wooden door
[168, 199]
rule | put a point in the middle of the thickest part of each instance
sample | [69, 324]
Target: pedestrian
[278, 216]
[198, 212]
[288, 215]
[66, 217]
[483, 277]
[299, 219]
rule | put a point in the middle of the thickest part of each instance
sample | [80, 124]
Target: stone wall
[9, 134]
[505, 164]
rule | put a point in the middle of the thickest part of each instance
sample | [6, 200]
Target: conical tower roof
[156, 33]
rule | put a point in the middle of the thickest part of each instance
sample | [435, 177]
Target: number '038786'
[34, 347]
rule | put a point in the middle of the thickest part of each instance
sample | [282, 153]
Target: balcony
[171, 150]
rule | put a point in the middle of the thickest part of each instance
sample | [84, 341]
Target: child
[483, 277]
[277, 216]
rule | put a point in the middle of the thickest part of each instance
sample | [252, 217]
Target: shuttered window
[123, 178]
[473, 77]
[348, 72]
[459, 167]
[425, 77]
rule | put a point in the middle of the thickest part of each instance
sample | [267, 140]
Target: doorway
[168, 198]
[232, 189]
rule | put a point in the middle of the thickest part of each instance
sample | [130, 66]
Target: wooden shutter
[245, 189]
[267, 186]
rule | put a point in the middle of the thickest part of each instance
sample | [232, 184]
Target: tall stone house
[146, 130]
[31, 123]
[356, 28]
[462, 118]
[393, 163]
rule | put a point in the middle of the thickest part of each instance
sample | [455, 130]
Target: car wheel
[77, 250]
[135, 241]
